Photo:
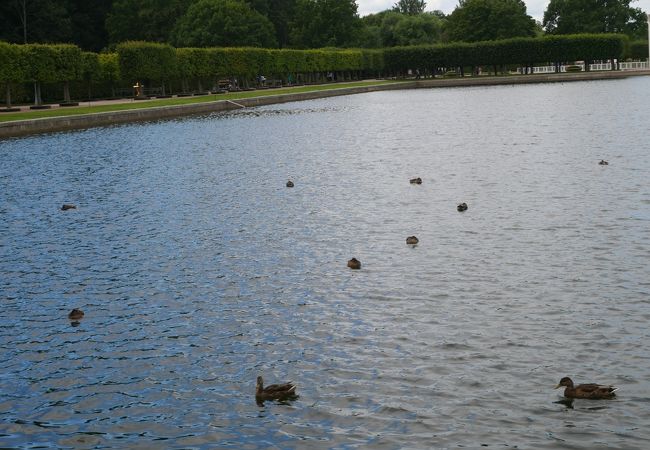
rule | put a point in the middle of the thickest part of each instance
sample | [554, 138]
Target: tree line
[301, 24]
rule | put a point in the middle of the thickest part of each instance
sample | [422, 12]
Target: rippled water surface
[199, 270]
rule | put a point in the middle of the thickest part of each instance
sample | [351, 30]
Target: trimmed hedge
[638, 50]
[12, 63]
[146, 61]
[160, 63]
[525, 51]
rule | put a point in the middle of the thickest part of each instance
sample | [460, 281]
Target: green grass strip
[140, 104]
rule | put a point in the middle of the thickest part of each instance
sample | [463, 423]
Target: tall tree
[223, 23]
[280, 13]
[595, 16]
[401, 29]
[410, 7]
[325, 23]
[87, 23]
[485, 20]
[26, 21]
[147, 20]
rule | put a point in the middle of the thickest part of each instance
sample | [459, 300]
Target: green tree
[325, 23]
[280, 13]
[410, 7]
[146, 20]
[147, 61]
[78, 21]
[109, 69]
[484, 20]
[87, 23]
[401, 29]
[223, 23]
[595, 16]
[23, 21]
[12, 68]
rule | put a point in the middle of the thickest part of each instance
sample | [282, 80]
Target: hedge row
[160, 63]
[143, 60]
[522, 51]
[638, 50]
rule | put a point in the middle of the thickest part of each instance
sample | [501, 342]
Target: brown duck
[354, 264]
[68, 206]
[274, 391]
[603, 162]
[289, 183]
[417, 180]
[412, 240]
[76, 314]
[589, 391]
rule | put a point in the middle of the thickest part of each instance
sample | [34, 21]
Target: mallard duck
[68, 206]
[354, 263]
[289, 183]
[274, 391]
[75, 314]
[417, 180]
[590, 391]
[412, 240]
[462, 207]
[603, 162]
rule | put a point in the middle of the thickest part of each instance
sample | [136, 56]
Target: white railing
[634, 65]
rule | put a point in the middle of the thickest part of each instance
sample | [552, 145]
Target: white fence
[635, 65]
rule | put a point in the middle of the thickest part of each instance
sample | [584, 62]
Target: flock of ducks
[287, 391]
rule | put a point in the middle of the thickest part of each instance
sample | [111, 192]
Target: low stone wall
[51, 124]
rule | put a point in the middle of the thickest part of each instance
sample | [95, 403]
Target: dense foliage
[521, 51]
[12, 65]
[223, 23]
[595, 16]
[100, 25]
[483, 20]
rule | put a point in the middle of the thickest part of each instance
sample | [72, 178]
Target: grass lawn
[80, 110]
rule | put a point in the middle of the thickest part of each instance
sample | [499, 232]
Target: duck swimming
[588, 391]
[462, 207]
[603, 162]
[412, 240]
[67, 206]
[274, 391]
[289, 183]
[76, 314]
[354, 263]
[417, 180]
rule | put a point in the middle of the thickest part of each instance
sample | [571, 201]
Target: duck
[412, 240]
[588, 391]
[462, 207]
[354, 263]
[417, 180]
[67, 206]
[274, 391]
[289, 183]
[603, 162]
[76, 314]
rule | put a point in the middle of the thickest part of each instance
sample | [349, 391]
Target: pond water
[198, 270]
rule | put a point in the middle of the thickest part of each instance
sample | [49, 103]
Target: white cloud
[535, 8]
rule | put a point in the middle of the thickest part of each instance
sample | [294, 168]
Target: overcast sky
[535, 7]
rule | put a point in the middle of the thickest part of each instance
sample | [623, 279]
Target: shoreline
[26, 127]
